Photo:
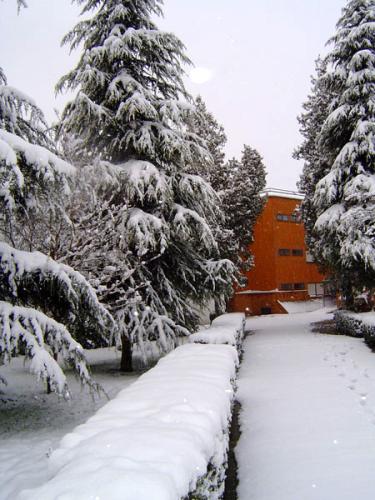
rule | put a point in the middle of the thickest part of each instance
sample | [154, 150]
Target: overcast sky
[253, 61]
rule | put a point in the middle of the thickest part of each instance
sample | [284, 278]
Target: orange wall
[270, 269]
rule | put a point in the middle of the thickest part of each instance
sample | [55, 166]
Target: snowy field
[308, 413]
[33, 422]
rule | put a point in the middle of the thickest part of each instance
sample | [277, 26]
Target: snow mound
[156, 439]
[215, 335]
[230, 319]
[225, 329]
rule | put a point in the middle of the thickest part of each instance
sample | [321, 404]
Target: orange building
[283, 269]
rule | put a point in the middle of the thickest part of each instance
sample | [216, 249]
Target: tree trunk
[348, 294]
[126, 355]
[49, 389]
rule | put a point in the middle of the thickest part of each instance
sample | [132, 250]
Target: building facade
[283, 270]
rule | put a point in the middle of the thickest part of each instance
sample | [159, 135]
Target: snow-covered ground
[302, 306]
[308, 413]
[33, 422]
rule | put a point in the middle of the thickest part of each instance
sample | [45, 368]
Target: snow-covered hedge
[225, 329]
[357, 325]
[163, 438]
[348, 323]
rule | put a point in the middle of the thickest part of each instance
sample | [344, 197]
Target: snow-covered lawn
[308, 413]
[32, 422]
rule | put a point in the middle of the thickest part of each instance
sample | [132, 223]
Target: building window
[315, 289]
[297, 252]
[286, 286]
[282, 217]
[292, 286]
[284, 251]
[294, 217]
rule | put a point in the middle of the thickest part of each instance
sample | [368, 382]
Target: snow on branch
[26, 331]
[21, 116]
[188, 224]
[144, 182]
[330, 218]
[26, 170]
[361, 189]
[198, 195]
[146, 232]
[31, 278]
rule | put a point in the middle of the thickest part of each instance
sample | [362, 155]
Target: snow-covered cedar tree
[33, 200]
[237, 183]
[242, 203]
[43, 304]
[152, 227]
[204, 124]
[344, 199]
[316, 163]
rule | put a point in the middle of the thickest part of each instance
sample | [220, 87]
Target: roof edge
[282, 193]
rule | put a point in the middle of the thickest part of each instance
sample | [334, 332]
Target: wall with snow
[163, 438]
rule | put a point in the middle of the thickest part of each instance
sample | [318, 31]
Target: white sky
[258, 56]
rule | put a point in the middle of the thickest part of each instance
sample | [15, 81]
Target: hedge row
[165, 437]
[225, 329]
[360, 325]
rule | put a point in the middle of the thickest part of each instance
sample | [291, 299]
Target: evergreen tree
[237, 183]
[241, 197]
[204, 124]
[39, 298]
[344, 198]
[34, 219]
[316, 164]
[130, 114]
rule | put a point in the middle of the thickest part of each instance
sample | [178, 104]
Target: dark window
[284, 251]
[299, 286]
[282, 217]
[265, 310]
[286, 286]
[297, 252]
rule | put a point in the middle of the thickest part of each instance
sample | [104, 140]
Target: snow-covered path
[308, 413]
